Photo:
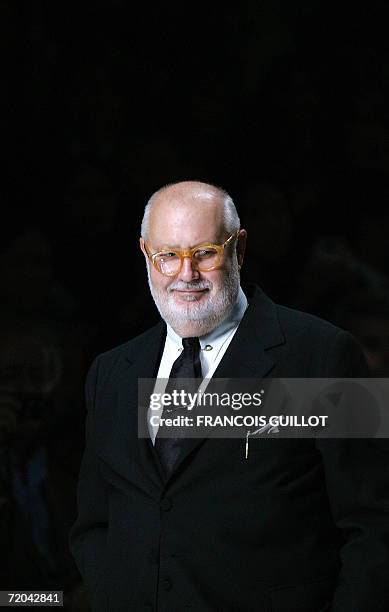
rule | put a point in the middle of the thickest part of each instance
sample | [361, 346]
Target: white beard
[198, 318]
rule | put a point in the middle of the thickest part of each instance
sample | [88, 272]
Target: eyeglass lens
[170, 262]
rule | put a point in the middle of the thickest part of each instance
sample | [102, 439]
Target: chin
[192, 319]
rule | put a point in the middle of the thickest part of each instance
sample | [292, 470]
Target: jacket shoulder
[300, 323]
[118, 353]
[319, 347]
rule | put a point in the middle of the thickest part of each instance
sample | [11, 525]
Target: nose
[188, 271]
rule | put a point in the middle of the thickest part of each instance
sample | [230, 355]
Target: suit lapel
[143, 360]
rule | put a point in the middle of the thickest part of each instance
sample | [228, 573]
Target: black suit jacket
[300, 526]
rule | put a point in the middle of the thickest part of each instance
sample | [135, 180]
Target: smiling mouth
[189, 295]
[190, 290]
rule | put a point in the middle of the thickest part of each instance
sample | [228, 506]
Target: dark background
[283, 104]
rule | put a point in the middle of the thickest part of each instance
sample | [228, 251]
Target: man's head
[177, 218]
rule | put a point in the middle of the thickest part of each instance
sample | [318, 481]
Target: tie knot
[191, 345]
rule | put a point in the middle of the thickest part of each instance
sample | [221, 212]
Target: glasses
[205, 257]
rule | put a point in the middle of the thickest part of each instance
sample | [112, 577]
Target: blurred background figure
[338, 286]
[40, 457]
[42, 363]
[365, 314]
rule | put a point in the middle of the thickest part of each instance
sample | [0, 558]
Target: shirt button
[165, 504]
[166, 584]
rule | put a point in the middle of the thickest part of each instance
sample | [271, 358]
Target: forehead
[184, 218]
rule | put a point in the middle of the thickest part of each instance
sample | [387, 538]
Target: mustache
[182, 286]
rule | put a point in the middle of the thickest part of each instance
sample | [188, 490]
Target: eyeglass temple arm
[234, 235]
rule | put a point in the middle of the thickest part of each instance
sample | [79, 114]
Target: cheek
[216, 277]
[159, 281]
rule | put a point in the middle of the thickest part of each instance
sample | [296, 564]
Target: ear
[241, 246]
[142, 246]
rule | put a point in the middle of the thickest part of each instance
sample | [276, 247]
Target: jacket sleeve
[88, 534]
[357, 478]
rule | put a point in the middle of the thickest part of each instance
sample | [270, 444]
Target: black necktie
[186, 366]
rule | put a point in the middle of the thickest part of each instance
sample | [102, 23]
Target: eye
[204, 253]
[166, 255]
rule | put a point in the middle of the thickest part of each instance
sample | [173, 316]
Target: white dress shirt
[213, 346]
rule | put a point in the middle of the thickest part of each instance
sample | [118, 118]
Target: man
[168, 525]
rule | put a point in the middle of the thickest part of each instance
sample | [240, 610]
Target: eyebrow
[179, 248]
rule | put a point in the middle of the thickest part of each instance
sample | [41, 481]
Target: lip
[190, 290]
[196, 294]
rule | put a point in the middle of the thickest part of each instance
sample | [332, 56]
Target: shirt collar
[217, 335]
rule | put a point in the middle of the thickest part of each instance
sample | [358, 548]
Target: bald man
[170, 524]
